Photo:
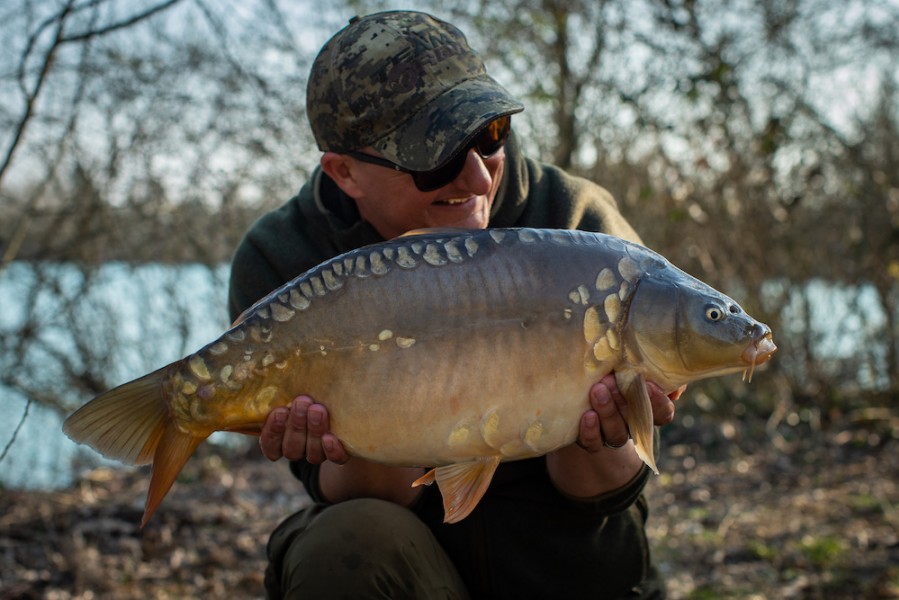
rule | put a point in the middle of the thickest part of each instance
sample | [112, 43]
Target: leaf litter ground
[738, 512]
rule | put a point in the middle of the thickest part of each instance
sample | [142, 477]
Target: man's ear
[339, 167]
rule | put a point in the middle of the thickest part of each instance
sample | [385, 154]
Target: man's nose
[475, 177]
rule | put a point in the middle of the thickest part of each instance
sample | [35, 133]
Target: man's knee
[366, 544]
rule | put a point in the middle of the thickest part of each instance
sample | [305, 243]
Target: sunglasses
[486, 143]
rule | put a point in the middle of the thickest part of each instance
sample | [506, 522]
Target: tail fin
[132, 424]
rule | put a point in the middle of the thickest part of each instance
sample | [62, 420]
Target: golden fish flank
[550, 312]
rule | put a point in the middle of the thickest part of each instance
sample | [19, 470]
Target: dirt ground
[739, 512]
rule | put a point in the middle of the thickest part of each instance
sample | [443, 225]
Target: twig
[31, 96]
[15, 432]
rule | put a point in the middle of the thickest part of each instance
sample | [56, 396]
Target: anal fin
[172, 454]
[462, 485]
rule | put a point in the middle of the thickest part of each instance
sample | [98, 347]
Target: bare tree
[714, 124]
[137, 135]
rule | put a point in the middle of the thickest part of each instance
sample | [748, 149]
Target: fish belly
[507, 391]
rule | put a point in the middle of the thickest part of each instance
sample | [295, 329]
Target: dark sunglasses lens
[487, 143]
[428, 181]
[493, 136]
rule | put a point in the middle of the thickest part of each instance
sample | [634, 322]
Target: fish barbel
[450, 350]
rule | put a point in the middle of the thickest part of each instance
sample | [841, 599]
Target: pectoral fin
[639, 414]
[461, 485]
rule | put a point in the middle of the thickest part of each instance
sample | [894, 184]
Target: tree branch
[31, 97]
[92, 33]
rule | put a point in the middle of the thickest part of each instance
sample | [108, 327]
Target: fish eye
[714, 312]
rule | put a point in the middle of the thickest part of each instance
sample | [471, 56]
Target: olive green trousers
[359, 549]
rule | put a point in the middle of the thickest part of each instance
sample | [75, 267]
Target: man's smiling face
[393, 205]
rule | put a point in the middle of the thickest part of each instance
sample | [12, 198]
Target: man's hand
[605, 424]
[301, 430]
[604, 458]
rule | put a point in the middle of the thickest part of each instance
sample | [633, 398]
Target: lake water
[134, 319]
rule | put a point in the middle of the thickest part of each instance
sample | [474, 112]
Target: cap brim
[432, 136]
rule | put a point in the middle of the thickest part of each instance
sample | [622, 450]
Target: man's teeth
[454, 201]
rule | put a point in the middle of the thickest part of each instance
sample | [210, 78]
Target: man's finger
[293, 444]
[613, 427]
[334, 450]
[662, 410]
[316, 427]
[588, 432]
[272, 434]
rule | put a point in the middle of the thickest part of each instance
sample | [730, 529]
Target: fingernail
[315, 417]
[280, 417]
[328, 443]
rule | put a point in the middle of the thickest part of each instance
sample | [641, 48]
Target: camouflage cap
[404, 83]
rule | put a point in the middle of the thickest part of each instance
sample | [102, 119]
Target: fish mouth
[758, 351]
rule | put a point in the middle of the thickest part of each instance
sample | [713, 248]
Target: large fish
[454, 350]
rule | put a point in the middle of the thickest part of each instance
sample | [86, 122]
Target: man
[415, 134]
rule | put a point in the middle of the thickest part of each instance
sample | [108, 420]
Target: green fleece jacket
[321, 222]
[525, 539]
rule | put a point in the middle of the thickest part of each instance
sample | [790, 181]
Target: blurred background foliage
[752, 142]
